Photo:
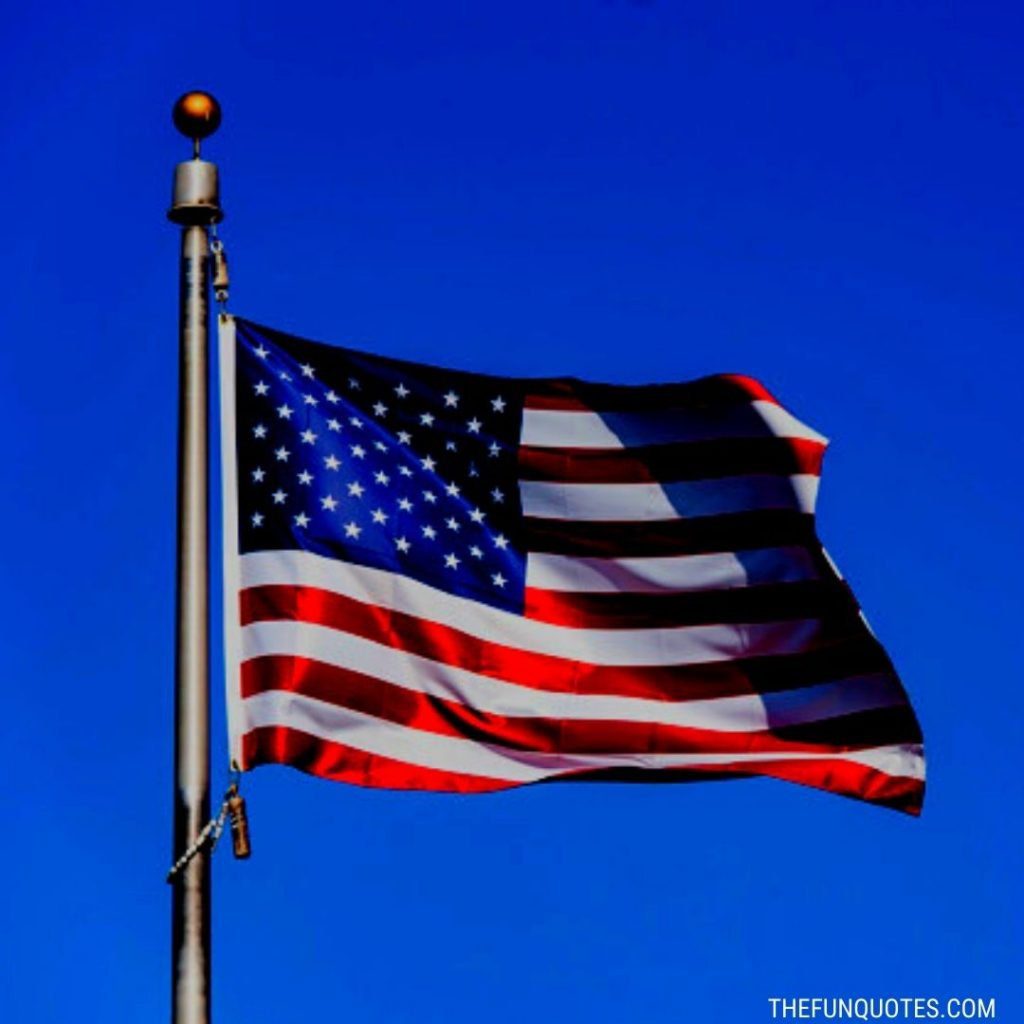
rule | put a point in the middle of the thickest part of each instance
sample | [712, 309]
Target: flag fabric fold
[443, 580]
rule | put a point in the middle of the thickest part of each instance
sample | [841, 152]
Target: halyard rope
[211, 832]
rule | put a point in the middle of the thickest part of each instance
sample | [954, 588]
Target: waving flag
[449, 581]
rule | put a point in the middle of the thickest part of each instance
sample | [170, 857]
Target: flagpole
[195, 207]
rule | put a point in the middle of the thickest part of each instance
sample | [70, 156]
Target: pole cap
[196, 115]
[196, 198]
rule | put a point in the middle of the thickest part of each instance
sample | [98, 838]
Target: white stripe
[741, 713]
[681, 645]
[557, 428]
[452, 754]
[680, 500]
[673, 573]
[782, 423]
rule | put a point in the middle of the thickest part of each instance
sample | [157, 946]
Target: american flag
[443, 580]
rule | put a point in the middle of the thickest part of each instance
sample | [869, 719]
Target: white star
[451, 400]
[332, 461]
[329, 503]
[477, 516]
[257, 519]
[382, 478]
[473, 471]
[402, 544]
[494, 450]
[332, 397]
[262, 388]
[282, 454]
[451, 561]
[497, 495]
[305, 478]
[450, 446]
[498, 404]
[284, 411]
[258, 475]
[474, 426]
[302, 519]
[405, 470]
[452, 490]
[405, 504]
[428, 463]
[285, 375]
[308, 437]
[430, 497]
[352, 530]
[307, 370]
[262, 352]
[427, 419]
[499, 580]
[279, 497]
[452, 524]
[309, 400]
[353, 383]
[401, 390]
[476, 552]
[380, 446]
[429, 532]
[379, 409]
[259, 430]
[404, 437]
[356, 422]
[358, 451]
[501, 542]
[356, 490]
[333, 425]
[378, 515]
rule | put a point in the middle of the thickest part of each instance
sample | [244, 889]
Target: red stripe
[754, 389]
[803, 599]
[738, 531]
[844, 778]
[556, 400]
[384, 700]
[571, 395]
[281, 745]
[686, 460]
[542, 671]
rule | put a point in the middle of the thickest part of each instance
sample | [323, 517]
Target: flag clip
[221, 279]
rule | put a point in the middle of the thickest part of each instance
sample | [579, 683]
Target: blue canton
[397, 465]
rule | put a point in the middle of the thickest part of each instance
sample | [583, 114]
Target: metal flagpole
[195, 206]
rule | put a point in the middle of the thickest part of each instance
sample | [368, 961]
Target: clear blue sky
[826, 196]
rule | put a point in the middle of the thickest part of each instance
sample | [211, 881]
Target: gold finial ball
[197, 115]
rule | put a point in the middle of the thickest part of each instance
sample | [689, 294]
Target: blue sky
[825, 196]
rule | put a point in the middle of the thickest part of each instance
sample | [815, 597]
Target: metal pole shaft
[195, 205]
[191, 900]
